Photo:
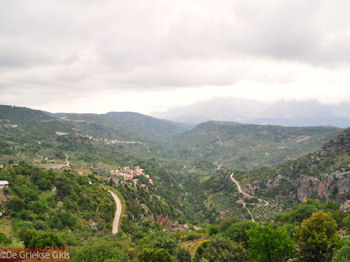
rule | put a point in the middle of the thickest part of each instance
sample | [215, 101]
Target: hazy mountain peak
[282, 112]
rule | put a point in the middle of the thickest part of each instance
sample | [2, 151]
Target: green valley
[184, 190]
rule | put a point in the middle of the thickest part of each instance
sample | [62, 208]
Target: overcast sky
[129, 55]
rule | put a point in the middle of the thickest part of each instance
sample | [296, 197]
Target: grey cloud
[294, 30]
[130, 33]
[20, 57]
[282, 30]
[82, 45]
[178, 74]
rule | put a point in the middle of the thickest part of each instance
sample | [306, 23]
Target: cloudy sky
[129, 55]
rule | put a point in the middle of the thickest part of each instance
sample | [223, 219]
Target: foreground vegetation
[50, 209]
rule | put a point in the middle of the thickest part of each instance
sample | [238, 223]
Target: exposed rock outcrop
[329, 186]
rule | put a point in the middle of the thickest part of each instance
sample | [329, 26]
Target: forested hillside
[156, 129]
[322, 175]
[48, 209]
[62, 207]
[242, 146]
[68, 208]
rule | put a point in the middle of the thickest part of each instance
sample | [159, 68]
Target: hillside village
[130, 174]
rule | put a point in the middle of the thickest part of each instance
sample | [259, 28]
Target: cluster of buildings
[3, 184]
[115, 141]
[131, 174]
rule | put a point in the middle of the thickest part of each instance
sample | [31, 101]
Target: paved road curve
[118, 212]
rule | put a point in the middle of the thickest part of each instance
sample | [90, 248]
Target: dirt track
[247, 196]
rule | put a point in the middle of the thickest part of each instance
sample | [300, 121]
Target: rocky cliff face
[324, 174]
[333, 186]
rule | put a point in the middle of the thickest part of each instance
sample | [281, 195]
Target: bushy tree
[343, 254]
[62, 219]
[4, 240]
[34, 239]
[220, 249]
[46, 240]
[346, 222]
[337, 214]
[27, 235]
[162, 240]
[151, 255]
[300, 212]
[317, 237]
[213, 230]
[15, 205]
[182, 254]
[269, 244]
[63, 187]
[237, 232]
[226, 223]
[101, 250]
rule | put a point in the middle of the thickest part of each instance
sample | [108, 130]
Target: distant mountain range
[283, 112]
[34, 135]
[121, 125]
[146, 125]
[41, 137]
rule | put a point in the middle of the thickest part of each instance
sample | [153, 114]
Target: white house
[4, 184]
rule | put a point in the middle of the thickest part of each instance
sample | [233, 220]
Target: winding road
[247, 196]
[67, 162]
[239, 187]
[118, 212]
